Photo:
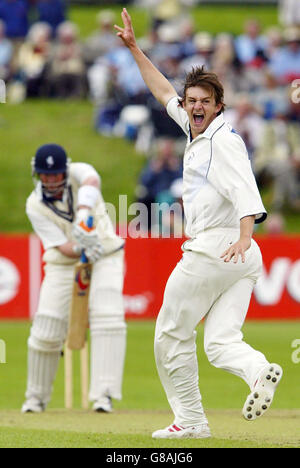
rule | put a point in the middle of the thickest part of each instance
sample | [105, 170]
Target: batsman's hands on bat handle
[94, 252]
[85, 236]
[236, 250]
[126, 33]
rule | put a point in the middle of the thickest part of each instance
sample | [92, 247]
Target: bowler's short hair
[198, 76]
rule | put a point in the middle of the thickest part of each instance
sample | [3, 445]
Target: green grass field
[144, 407]
[213, 18]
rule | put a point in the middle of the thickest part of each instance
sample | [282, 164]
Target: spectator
[224, 54]
[14, 13]
[187, 32]
[103, 40]
[157, 177]
[285, 63]
[277, 159]
[246, 121]
[270, 99]
[167, 10]
[167, 51]
[289, 12]
[275, 224]
[32, 60]
[251, 44]
[6, 53]
[115, 82]
[67, 69]
[204, 47]
[166, 54]
[170, 222]
[52, 12]
[99, 75]
[274, 41]
[127, 75]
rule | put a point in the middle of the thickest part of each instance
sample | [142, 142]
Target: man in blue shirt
[285, 63]
[52, 12]
[14, 13]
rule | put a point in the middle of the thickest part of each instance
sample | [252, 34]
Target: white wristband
[88, 196]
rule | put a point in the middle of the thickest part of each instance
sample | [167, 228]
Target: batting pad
[47, 334]
[44, 347]
[108, 347]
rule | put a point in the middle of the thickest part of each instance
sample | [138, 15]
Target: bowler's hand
[126, 33]
[236, 250]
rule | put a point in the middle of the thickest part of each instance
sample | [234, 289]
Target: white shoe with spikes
[260, 399]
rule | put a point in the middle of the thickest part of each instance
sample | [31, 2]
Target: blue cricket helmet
[50, 159]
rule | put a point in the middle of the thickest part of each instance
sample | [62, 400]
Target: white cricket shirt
[219, 187]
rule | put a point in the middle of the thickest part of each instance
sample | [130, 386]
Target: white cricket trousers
[203, 285]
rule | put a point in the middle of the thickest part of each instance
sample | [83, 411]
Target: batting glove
[85, 236]
[94, 252]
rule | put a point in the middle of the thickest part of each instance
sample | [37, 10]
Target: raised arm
[157, 83]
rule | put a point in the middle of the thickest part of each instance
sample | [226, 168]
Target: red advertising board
[149, 263]
[277, 293]
[14, 277]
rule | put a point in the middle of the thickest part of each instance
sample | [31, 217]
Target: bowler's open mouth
[198, 118]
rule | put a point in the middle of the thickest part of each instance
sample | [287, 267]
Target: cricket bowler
[66, 194]
[221, 262]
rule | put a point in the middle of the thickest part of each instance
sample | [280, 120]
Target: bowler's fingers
[126, 17]
[127, 23]
[227, 254]
[232, 252]
[120, 30]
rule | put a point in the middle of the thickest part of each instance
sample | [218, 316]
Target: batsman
[65, 196]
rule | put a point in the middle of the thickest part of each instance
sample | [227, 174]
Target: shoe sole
[260, 400]
[101, 410]
[189, 435]
[30, 411]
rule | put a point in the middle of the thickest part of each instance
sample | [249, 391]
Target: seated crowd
[42, 55]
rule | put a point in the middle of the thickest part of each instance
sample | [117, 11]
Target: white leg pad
[108, 347]
[44, 347]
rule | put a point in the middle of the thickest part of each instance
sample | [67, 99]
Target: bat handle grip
[89, 224]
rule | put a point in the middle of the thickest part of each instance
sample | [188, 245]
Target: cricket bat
[78, 321]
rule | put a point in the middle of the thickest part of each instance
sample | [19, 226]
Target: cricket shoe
[179, 432]
[103, 405]
[259, 401]
[33, 406]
